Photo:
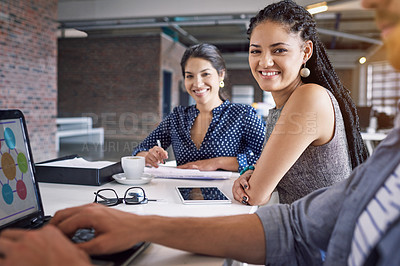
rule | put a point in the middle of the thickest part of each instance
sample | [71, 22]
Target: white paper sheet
[79, 163]
[176, 173]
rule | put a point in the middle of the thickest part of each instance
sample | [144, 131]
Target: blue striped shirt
[382, 211]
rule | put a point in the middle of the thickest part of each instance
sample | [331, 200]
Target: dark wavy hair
[207, 52]
[298, 19]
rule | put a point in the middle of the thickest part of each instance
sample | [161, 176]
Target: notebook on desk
[20, 201]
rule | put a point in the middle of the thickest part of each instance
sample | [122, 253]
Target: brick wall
[28, 68]
[118, 82]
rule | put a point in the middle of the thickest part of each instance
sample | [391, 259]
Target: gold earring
[304, 72]
[221, 84]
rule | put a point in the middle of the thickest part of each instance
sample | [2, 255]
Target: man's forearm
[239, 237]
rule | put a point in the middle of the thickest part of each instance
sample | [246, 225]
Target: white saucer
[120, 178]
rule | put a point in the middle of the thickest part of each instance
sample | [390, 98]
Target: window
[383, 88]
[243, 94]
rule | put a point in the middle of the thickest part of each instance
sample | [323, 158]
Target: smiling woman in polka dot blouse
[214, 133]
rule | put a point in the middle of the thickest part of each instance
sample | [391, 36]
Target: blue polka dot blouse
[235, 131]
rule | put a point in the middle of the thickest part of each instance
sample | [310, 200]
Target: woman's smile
[201, 92]
[269, 74]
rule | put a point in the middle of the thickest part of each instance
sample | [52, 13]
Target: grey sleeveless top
[318, 166]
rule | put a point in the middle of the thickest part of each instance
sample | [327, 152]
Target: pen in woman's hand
[159, 145]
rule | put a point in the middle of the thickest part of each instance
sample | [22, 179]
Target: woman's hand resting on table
[202, 165]
[213, 164]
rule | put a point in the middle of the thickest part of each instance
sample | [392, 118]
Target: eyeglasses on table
[109, 197]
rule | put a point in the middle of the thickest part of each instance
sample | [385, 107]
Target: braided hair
[298, 19]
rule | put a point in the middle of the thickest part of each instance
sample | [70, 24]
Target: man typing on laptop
[21, 205]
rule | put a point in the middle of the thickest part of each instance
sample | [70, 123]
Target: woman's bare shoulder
[310, 96]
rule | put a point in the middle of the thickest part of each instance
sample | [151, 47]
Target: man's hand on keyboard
[114, 229]
[45, 246]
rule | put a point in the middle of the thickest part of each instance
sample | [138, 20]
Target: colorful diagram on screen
[14, 165]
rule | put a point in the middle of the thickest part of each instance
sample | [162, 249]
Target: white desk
[371, 137]
[59, 196]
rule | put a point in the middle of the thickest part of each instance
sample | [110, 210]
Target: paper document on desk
[176, 173]
[79, 163]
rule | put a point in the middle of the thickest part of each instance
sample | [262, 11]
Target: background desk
[60, 196]
[372, 138]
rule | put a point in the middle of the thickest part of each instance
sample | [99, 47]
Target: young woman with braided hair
[313, 137]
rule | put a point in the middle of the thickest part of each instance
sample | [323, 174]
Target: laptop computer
[20, 201]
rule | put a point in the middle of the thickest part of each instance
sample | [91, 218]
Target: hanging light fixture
[317, 8]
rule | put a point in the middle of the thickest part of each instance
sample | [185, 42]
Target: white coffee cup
[133, 166]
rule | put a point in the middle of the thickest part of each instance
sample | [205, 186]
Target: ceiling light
[71, 33]
[362, 60]
[317, 8]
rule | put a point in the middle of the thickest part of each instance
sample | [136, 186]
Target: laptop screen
[20, 203]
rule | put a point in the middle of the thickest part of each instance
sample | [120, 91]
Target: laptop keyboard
[83, 235]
